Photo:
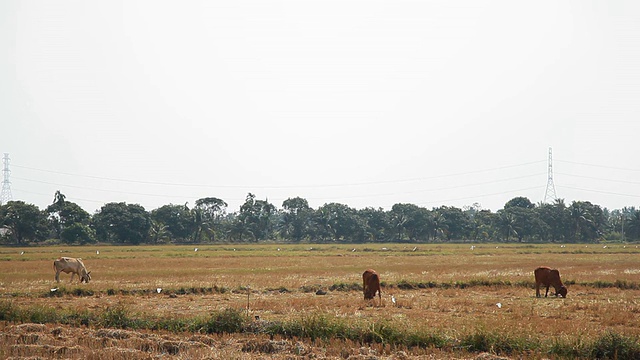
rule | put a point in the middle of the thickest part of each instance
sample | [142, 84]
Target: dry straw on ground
[450, 290]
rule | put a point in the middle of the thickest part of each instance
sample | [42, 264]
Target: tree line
[209, 221]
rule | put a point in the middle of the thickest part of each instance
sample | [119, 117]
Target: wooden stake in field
[248, 293]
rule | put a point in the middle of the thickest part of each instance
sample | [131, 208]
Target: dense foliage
[208, 221]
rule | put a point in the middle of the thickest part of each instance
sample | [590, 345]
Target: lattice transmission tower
[5, 196]
[550, 193]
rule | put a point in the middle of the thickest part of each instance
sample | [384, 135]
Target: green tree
[631, 223]
[208, 214]
[339, 222]
[178, 219]
[587, 221]
[158, 232]
[78, 233]
[296, 219]
[519, 201]
[377, 225]
[483, 225]
[410, 221]
[122, 223]
[556, 217]
[70, 222]
[455, 224]
[518, 218]
[255, 219]
[25, 222]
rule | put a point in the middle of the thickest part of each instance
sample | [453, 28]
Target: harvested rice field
[282, 301]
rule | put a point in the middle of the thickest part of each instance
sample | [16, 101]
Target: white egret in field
[499, 305]
[415, 248]
[393, 299]
[97, 252]
[22, 253]
[54, 289]
[196, 249]
[159, 290]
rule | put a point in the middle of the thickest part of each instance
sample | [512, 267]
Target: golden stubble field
[491, 289]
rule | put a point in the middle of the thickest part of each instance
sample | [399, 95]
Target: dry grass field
[475, 303]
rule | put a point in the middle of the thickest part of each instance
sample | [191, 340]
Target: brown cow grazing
[371, 285]
[549, 277]
[73, 266]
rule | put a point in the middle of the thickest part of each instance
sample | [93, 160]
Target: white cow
[73, 266]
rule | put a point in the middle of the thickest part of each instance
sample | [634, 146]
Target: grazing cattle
[371, 285]
[549, 277]
[73, 266]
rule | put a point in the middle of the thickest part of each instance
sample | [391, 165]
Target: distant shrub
[226, 321]
[346, 287]
[615, 346]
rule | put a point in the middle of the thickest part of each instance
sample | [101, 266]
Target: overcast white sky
[364, 103]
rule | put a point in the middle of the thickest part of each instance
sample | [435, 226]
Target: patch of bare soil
[37, 341]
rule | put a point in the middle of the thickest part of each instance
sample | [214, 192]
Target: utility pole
[550, 193]
[5, 196]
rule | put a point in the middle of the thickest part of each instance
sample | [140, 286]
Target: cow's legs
[537, 289]
[58, 276]
[546, 292]
[74, 274]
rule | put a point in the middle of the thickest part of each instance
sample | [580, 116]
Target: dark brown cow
[371, 285]
[73, 266]
[549, 277]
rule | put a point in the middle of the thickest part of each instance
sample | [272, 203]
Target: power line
[350, 197]
[600, 192]
[600, 166]
[283, 187]
[601, 179]
[480, 196]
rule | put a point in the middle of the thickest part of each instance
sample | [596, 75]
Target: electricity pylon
[550, 193]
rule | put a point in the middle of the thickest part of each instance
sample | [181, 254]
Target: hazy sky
[364, 103]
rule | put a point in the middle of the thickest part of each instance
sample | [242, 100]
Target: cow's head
[563, 291]
[86, 277]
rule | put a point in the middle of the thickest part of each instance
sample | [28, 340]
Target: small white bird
[499, 305]
[97, 252]
[196, 249]
[159, 290]
[54, 290]
[353, 250]
[604, 247]
[22, 253]
[393, 299]
[472, 247]
[415, 248]
[278, 249]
